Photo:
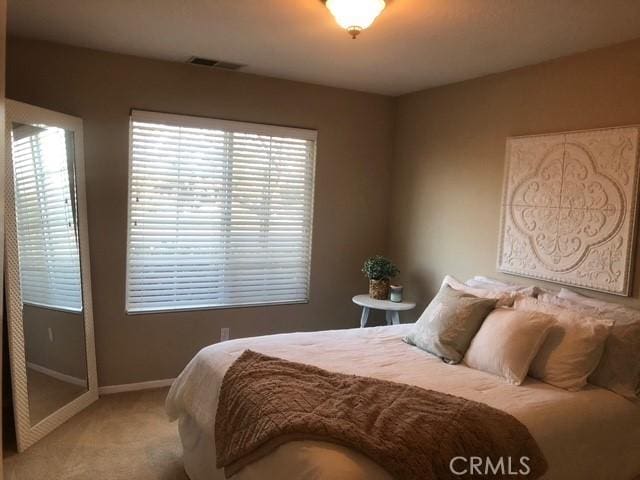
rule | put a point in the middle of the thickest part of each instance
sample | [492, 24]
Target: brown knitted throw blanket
[411, 432]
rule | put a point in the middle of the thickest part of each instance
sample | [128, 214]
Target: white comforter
[591, 434]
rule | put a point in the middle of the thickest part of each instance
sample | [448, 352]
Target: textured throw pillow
[504, 298]
[573, 348]
[448, 324]
[619, 368]
[507, 343]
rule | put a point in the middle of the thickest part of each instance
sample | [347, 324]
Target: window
[45, 217]
[220, 213]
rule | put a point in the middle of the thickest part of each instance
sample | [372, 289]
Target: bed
[590, 434]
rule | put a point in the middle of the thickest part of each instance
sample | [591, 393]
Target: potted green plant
[379, 270]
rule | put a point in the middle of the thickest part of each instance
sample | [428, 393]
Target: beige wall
[446, 176]
[449, 155]
[350, 222]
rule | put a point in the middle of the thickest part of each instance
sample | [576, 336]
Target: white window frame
[188, 121]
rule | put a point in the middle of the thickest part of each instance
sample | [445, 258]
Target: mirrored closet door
[51, 346]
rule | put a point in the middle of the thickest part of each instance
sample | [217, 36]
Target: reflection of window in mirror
[46, 217]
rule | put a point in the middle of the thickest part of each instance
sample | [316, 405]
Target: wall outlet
[224, 334]
[50, 334]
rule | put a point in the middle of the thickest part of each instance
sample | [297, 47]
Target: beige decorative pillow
[448, 324]
[573, 348]
[504, 298]
[619, 368]
[507, 343]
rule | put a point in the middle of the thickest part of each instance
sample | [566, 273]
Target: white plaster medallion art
[569, 208]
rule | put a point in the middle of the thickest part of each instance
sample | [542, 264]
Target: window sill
[215, 307]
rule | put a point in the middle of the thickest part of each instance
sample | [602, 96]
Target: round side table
[390, 308]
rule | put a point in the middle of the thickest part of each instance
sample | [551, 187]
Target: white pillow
[505, 299]
[483, 279]
[600, 305]
[488, 283]
[507, 343]
[573, 348]
[619, 368]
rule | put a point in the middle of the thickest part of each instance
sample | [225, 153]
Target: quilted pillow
[573, 348]
[619, 368]
[448, 324]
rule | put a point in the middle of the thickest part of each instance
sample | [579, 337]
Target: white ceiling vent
[207, 62]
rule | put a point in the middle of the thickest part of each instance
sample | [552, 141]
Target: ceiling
[413, 45]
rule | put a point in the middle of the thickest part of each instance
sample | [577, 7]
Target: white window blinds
[220, 213]
[47, 240]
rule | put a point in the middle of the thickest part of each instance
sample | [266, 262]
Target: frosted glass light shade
[355, 15]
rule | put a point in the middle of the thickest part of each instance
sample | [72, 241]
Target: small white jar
[395, 293]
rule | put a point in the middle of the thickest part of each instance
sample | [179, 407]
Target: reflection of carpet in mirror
[125, 436]
[48, 394]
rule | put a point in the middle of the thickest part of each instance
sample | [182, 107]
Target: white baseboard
[63, 377]
[133, 387]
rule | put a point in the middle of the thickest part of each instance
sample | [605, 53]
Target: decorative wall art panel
[569, 208]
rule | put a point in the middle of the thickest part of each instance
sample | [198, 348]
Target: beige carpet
[120, 437]
[48, 394]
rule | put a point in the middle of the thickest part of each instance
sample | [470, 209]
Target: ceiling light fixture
[355, 15]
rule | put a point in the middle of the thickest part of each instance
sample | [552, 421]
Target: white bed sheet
[590, 434]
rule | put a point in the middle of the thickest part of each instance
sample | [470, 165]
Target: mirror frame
[27, 434]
